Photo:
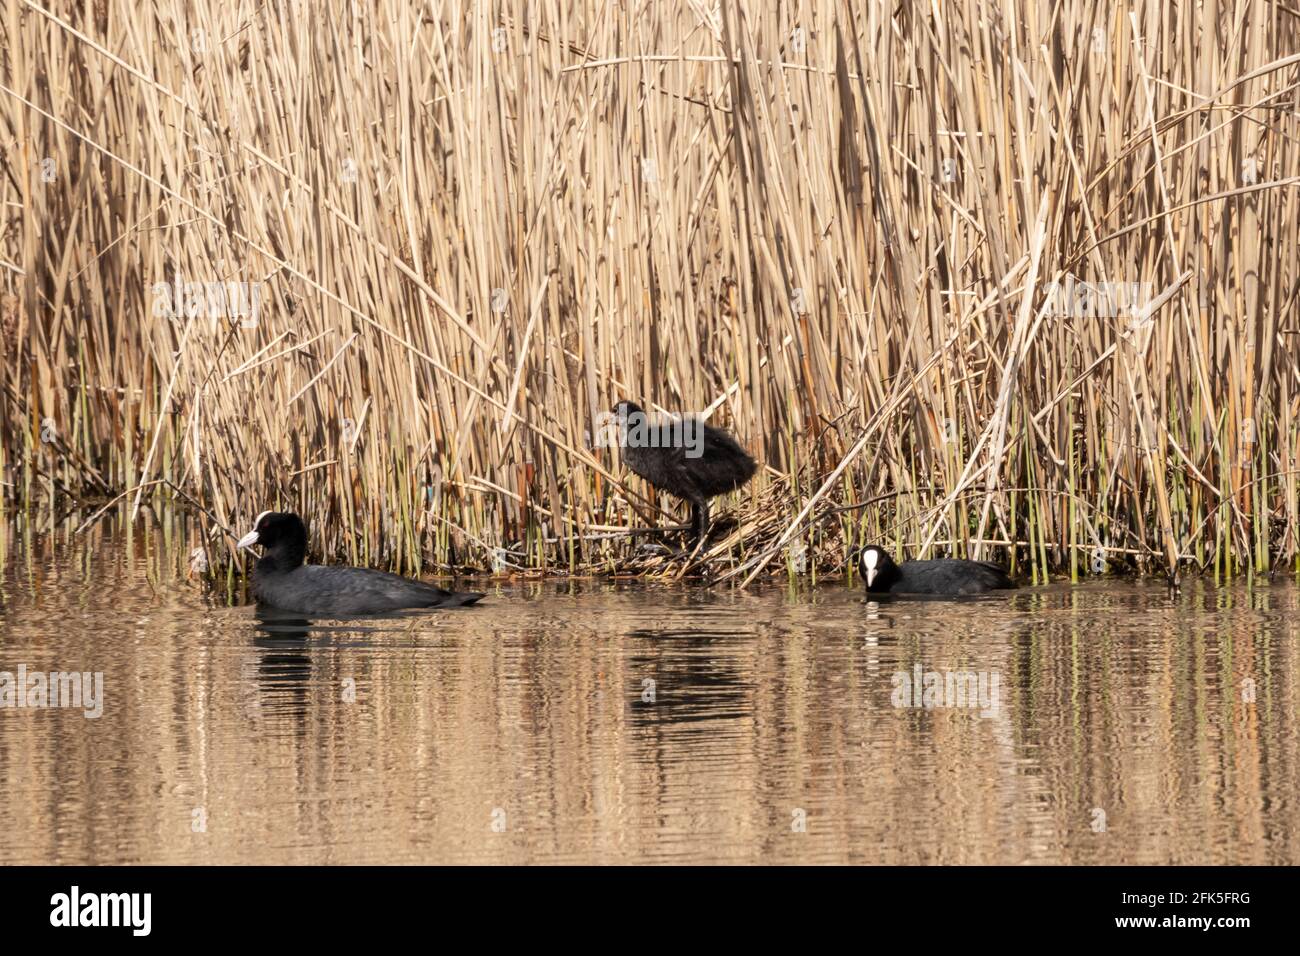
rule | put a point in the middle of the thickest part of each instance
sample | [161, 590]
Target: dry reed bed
[834, 226]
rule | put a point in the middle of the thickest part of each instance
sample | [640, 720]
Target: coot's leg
[700, 518]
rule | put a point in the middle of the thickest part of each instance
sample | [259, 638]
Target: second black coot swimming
[684, 457]
[282, 581]
[950, 576]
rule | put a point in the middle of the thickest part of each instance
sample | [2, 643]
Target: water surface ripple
[592, 722]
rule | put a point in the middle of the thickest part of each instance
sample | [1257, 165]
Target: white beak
[871, 576]
[247, 541]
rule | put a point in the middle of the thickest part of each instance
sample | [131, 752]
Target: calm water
[588, 722]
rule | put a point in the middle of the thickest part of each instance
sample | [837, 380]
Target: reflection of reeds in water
[1112, 698]
[835, 226]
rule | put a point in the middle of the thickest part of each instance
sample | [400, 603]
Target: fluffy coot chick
[283, 582]
[942, 576]
[684, 457]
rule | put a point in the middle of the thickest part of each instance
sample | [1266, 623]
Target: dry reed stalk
[835, 228]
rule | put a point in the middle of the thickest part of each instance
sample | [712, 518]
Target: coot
[941, 576]
[283, 582]
[684, 457]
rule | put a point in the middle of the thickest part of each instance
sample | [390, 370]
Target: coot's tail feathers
[998, 577]
[724, 466]
[435, 596]
[995, 577]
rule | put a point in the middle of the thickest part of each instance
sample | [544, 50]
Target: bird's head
[273, 529]
[877, 567]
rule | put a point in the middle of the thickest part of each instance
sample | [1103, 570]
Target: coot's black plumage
[708, 464]
[283, 582]
[941, 576]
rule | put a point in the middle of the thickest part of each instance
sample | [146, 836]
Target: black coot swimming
[283, 582]
[684, 457]
[941, 576]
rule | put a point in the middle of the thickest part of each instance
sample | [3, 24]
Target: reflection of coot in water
[281, 626]
[283, 669]
[691, 684]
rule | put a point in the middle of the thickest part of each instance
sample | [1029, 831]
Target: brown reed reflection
[588, 721]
